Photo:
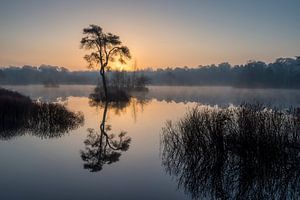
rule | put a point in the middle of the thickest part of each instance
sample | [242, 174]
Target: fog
[282, 73]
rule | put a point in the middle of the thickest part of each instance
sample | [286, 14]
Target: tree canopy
[105, 47]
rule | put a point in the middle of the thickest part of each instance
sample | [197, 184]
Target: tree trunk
[102, 73]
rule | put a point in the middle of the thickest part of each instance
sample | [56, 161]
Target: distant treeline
[283, 73]
[45, 74]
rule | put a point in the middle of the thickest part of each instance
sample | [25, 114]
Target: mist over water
[47, 167]
[221, 96]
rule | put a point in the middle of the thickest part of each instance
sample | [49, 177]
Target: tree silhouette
[105, 47]
[281, 73]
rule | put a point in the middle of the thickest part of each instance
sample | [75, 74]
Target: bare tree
[105, 47]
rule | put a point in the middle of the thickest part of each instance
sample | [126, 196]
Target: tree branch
[113, 49]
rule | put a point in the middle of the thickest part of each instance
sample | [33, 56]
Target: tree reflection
[135, 105]
[103, 148]
[246, 152]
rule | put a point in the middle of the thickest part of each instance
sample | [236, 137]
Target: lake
[33, 167]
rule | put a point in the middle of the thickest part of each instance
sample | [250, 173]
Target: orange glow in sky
[159, 33]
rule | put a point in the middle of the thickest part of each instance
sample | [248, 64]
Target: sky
[159, 33]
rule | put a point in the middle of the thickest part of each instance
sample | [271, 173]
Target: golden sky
[159, 33]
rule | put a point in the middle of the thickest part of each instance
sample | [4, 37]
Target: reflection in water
[53, 94]
[39, 119]
[246, 152]
[206, 95]
[224, 96]
[135, 104]
[102, 148]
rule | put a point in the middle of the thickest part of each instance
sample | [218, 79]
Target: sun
[129, 66]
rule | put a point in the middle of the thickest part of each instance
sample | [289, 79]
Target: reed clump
[19, 114]
[244, 152]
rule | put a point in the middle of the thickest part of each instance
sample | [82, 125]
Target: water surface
[36, 168]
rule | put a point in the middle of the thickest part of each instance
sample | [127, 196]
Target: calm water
[35, 168]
